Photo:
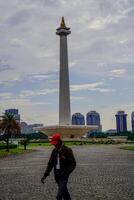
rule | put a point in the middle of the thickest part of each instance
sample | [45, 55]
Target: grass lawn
[68, 143]
[15, 151]
[128, 148]
[47, 144]
[43, 144]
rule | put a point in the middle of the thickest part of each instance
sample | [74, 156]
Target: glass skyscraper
[121, 121]
[132, 122]
[78, 119]
[13, 112]
[93, 118]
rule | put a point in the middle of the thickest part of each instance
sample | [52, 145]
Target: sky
[101, 58]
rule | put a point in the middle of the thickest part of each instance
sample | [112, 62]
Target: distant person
[63, 161]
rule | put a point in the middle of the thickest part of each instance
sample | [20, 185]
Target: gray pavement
[102, 173]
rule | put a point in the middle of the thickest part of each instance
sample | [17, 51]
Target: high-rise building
[132, 121]
[121, 121]
[13, 112]
[78, 119]
[25, 128]
[36, 126]
[93, 118]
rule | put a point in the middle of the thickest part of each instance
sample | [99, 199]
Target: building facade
[93, 118]
[36, 126]
[14, 112]
[132, 122]
[25, 128]
[121, 121]
[78, 119]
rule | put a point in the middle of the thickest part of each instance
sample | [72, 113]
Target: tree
[24, 142]
[9, 128]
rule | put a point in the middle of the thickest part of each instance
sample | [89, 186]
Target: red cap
[55, 138]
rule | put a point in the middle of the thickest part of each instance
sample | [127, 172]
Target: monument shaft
[64, 94]
[64, 90]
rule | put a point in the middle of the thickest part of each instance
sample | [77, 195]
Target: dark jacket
[67, 161]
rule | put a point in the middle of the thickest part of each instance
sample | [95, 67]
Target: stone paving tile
[102, 173]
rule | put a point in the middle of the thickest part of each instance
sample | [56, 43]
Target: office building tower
[13, 112]
[78, 119]
[132, 122]
[93, 118]
[121, 121]
[25, 128]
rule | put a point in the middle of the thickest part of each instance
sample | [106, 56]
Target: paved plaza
[102, 173]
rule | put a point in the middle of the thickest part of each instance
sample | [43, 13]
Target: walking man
[63, 162]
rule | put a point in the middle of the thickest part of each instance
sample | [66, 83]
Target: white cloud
[46, 53]
[9, 83]
[6, 95]
[16, 42]
[102, 22]
[89, 86]
[123, 41]
[40, 77]
[17, 102]
[29, 93]
[72, 64]
[77, 98]
[118, 72]
[104, 90]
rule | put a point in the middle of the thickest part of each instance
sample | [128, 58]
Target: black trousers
[62, 181]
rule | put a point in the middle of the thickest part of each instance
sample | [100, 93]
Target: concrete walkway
[102, 173]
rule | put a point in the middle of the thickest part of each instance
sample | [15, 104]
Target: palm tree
[9, 127]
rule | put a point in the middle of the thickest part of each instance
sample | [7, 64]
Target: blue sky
[101, 60]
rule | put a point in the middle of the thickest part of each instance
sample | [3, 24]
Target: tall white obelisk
[64, 127]
[64, 91]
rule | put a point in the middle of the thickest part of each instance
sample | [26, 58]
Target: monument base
[68, 131]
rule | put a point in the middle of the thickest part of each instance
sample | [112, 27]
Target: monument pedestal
[68, 131]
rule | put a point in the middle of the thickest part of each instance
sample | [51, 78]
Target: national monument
[65, 128]
[64, 91]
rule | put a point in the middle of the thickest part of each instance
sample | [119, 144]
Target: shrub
[11, 146]
[130, 137]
